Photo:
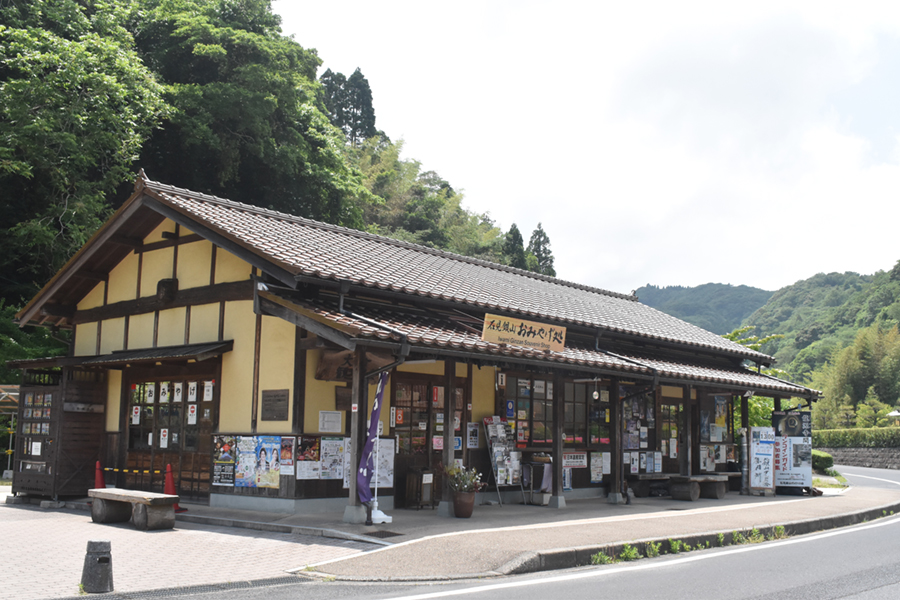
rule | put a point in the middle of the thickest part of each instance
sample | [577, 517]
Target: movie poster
[286, 462]
[223, 460]
[268, 459]
[309, 465]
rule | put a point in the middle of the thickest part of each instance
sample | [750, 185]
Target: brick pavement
[46, 549]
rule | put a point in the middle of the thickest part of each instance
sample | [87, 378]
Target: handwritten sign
[518, 332]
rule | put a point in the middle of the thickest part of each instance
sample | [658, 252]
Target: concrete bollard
[97, 577]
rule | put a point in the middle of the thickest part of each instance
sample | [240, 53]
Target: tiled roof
[439, 332]
[309, 248]
[191, 351]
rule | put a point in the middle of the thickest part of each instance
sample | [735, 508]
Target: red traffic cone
[170, 487]
[99, 482]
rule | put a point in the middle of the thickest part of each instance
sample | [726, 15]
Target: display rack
[506, 462]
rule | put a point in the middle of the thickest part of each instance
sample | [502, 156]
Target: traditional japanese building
[239, 345]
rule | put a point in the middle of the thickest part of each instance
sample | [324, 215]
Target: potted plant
[463, 484]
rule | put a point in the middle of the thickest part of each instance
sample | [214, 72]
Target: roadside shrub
[875, 437]
[821, 461]
[675, 546]
[653, 549]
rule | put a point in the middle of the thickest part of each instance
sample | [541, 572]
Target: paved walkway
[209, 546]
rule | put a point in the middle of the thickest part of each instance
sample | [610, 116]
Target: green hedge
[876, 437]
[821, 461]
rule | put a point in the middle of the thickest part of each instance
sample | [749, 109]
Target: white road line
[875, 478]
[654, 515]
[603, 572]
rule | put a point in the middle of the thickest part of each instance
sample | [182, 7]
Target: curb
[568, 558]
[278, 528]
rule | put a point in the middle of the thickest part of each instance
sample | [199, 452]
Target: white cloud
[666, 143]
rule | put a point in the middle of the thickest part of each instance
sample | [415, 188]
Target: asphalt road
[858, 562]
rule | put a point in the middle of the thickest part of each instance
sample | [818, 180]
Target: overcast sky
[670, 143]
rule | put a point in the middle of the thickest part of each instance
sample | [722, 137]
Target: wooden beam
[91, 275]
[237, 290]
[320, 329]
[216, 237]
[170, 242]
[126, 241]
[58, 310]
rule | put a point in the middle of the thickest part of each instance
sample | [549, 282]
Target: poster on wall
[245, 462]
[384, 460]
[332, 458]
[793, 448]
[286, 461]
[177, 391]
[596, 467]
[309, 465]
[224, 452]
[268, 453]
[208, 390]
[472, 439]
[762, 457]
[192, 391]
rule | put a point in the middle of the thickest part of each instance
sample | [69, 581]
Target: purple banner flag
[367, 456]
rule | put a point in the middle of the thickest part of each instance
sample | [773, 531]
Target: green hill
[717, 307]
[824, 313]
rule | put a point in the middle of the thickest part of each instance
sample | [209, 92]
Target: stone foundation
[877, 458]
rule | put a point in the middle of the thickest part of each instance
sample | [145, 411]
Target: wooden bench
[147, 510]
[692, 487]
[640, 482]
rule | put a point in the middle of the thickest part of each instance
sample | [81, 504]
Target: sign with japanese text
[793, 448]
[518, 332]
[762, 458]
[574, 459]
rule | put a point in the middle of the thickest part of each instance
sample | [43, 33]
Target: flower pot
[463, 504]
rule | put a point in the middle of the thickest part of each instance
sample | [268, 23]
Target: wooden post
[745, 425]
[355, 512]
[615, 495]
[445, 508]
[684, 454]
[557, 499]
[777, 403]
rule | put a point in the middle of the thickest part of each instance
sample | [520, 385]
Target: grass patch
[602, 559]
[629, 552]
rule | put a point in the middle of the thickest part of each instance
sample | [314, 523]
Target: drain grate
[382, 534]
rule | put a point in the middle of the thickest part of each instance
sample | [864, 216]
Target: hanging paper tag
[192, 391]
[176, 394]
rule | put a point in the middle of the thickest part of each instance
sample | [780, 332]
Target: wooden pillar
[745, 424]
[617, 481]
[777, 403]
[445, 508]
[355, 512]
[686, 437]
[557, 499]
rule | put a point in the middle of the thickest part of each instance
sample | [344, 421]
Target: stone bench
[147, 510]
[692, 487]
